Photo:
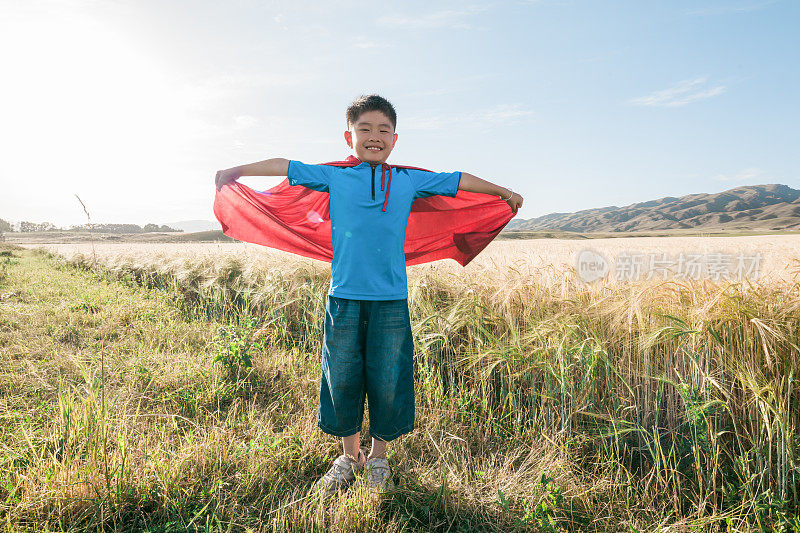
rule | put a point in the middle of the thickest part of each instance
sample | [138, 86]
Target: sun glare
[85, 98]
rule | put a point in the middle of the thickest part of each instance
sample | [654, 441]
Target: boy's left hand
[515, 202]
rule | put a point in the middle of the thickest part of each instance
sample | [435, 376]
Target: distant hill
[41, 237]
[193, 226]
[749, 208]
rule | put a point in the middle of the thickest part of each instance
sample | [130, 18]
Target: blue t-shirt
[368, 242]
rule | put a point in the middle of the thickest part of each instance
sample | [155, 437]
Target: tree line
[29, 227]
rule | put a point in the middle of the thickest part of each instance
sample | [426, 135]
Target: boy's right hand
[226, 176]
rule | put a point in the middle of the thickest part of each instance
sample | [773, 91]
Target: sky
[135, 104]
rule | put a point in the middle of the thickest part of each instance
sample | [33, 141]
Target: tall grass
[684, 391]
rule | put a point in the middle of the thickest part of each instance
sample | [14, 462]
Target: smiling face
[372, 137]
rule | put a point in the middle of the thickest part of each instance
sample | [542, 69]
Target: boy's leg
[378, 449]
[341, 395]
[351, 445]
[376, 467]
[389, 380]
[341, 392]
[389, 370]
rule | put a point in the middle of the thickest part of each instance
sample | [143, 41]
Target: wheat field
[501, 259]
[180, 381]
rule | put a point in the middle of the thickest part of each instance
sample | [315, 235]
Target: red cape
[297, 219]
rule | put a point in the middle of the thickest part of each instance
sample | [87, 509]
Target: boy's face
[372, 137]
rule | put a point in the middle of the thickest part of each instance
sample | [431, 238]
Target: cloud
[540, 2]
[243, 122]
[746, 174]
[453, 85]
[366, 44]
[234, 82]
[446, 18]
[500, 114]
[739, 7]
[280, 20]
[682, 93]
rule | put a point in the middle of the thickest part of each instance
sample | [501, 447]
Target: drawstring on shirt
[384, 184]
[384, 166]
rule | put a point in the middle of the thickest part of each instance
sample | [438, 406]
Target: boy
[367, 340]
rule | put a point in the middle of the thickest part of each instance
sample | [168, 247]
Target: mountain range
[193, 226]
[753, 207]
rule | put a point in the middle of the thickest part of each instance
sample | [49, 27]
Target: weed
[235, 347]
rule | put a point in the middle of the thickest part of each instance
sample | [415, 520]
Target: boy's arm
[475, 184]
[269, 167]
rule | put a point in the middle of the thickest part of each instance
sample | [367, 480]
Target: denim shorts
[367, 352]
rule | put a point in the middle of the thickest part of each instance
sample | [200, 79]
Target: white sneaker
[341, 475]
[379, 475]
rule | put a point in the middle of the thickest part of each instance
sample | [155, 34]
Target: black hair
[371, 102]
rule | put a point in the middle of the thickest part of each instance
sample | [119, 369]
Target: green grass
[661, 407]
